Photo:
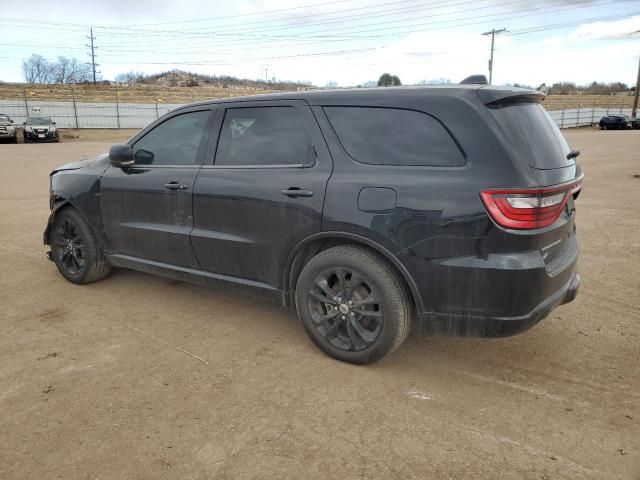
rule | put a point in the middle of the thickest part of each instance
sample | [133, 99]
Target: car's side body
[7, 129]
[257, 225]
[615, 122]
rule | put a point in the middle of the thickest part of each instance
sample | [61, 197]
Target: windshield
[533, 135]
[4, 119]
[38, 121]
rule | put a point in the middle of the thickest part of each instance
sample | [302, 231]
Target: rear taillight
[529, 208]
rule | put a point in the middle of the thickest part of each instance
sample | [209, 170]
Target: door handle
[176, 186]
[294, 192]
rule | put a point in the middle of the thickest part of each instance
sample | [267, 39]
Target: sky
[348, 42]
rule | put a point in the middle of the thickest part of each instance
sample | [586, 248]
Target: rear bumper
[478, 326]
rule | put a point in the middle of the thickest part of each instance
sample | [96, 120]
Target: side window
[263, 136]
[392, 136]
[174, 142]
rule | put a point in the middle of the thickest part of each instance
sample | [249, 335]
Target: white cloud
[607, 30]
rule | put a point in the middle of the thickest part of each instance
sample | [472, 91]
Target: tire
[14, 140]
[75, 250]
[604, 126]
[374, 324]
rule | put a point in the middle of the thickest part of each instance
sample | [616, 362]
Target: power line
[307, 38]
[436, 26]
[554, 26]
[366, 33]
[218, 30]
[369, 33]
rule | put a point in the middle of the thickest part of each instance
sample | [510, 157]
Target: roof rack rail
[475, 80]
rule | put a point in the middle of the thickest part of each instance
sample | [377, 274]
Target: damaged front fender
[54, 209]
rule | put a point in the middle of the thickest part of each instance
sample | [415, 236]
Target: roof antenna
[475, 80]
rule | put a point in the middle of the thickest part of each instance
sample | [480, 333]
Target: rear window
[533, 135]
[392, 136]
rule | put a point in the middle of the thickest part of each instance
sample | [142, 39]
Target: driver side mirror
[121, 155]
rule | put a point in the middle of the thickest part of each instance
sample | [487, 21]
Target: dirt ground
[89, 389]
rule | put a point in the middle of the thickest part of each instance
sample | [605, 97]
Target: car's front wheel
[353, 305]
[75, 250]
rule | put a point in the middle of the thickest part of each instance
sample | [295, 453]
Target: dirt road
[88, 390]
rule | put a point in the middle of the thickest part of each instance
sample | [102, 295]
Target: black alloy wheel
[69, 246]
[74, 248]
[345, 309]
[353, 304]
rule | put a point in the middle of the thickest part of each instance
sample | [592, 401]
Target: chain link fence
[72, 114]
[87, 115]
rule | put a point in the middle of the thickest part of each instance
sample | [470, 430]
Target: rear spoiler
[499, 97]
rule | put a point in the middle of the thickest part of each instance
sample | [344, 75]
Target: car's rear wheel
[353, 305]
[603, 126]
[75, 250]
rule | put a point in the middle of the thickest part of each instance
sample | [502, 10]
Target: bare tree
[61, 70]
[129, 77]
[37, 69]
[435, 81]
[78, 72]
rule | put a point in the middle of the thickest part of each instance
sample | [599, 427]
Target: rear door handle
[176, 186]
[294, 192]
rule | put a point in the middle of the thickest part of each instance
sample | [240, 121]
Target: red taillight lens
[529, 208]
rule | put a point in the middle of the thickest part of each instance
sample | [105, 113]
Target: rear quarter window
[533, 135]
[393, 136]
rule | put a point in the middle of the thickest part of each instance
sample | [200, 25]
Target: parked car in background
[363, 209]
[7, 129]
[40, 129]
[615, 122]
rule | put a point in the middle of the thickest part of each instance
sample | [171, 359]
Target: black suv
[40, 129]
[362, 209]
[615, 122]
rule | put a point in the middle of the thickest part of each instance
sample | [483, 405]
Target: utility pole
[493, 32]
[92, 54]
[634, 111]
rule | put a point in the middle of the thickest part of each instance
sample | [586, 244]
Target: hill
[180, 78]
